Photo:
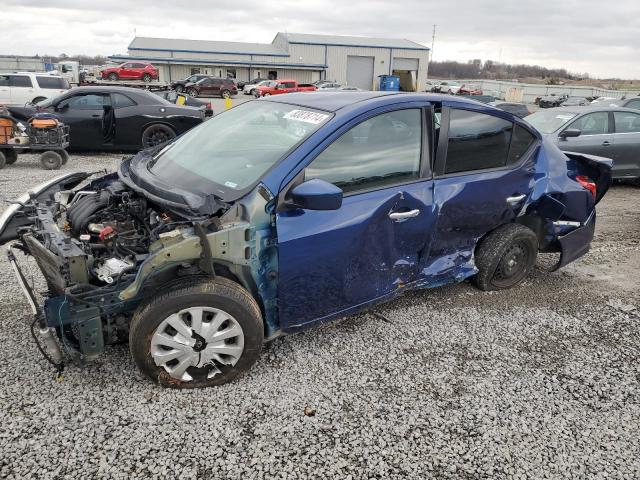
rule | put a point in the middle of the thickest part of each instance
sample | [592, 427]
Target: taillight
[209, 107]
[588, 184]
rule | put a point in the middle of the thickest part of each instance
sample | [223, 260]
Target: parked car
[612, 132]
[179, 85]
[603, 101]
[317, 83]
[116, 118]
[470, 90]
[517, 109]
[212, 87]
[452, 88]
[575, 102]
[28, 87]
[633, 102]
[186, 100]
[329, 86]
[199, 251]
[252, 88]
[284, 86]
[552, 100]
[144, 71]
[254, 81]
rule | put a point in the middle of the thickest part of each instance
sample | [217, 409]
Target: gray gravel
[537, 382]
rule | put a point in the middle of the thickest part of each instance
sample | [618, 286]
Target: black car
[518, 109]
[116, 118]
[179, 85]
[552, 100]
[251, 82]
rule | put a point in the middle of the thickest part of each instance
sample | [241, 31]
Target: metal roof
[205, 46]
[348, 41]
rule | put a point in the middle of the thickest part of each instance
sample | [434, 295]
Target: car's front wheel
[156, 134]
[505, 257]
[113, 77]
[179, 89]
[201, 335]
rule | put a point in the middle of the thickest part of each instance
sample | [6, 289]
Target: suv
[179, 85]
[19, 88]
[212, 87]
[131, 71]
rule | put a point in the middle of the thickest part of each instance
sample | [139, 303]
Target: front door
[483, 176]
[335, 262]
[85, 115]
[596, 137]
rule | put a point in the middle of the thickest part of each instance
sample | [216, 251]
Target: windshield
[234, 149]
[549, 121]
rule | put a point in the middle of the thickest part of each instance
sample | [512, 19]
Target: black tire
[3, 160]
[192, 92]
[219, 293]
[38, 99]
[225, 94]
[146, 78]
[11, 155]
[253, 91]
[505, 257]
[51, 160]
[266, 94]
[113, 77]
[65, 156]
[156, 134]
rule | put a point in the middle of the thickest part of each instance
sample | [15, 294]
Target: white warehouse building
[354, 61]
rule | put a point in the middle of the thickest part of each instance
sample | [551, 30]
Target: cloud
[579, 35]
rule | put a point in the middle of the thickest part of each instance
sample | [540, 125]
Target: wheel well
[534, 223]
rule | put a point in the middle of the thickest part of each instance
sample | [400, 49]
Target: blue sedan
[200, 250]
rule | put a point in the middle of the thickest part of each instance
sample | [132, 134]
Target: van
[18, 88]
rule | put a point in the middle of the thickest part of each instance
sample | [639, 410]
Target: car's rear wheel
[505, 257]
[113, 77]
[156, 134]
[192, 92]
[199, 335]
[51, 160]
[225, 94]
[146, 78]
[11, 156]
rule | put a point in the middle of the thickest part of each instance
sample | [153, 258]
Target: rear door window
[476, 141]
[120, 101]
[627, 122]
[20, 81]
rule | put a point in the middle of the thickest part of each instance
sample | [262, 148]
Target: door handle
[516, 198]
[402, 216]
[97, 115]
[606, 143]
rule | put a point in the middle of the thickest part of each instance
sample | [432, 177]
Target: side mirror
[315, 194]
[570, 133]
[61, 108]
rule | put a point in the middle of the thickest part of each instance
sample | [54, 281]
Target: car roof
[108, 89]
[334, 101]
[589, 109]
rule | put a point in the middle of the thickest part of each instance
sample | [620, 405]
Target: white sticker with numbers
[306, 116]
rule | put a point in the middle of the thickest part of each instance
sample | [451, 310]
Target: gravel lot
[537, 382]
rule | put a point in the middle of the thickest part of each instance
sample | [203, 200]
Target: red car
[284, 86]
[131, 71]
[470, 90]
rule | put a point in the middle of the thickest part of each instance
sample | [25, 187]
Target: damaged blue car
[285, 212]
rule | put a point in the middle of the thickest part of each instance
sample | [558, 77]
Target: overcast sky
[597, 37]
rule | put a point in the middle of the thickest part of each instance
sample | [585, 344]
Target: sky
[583, 36]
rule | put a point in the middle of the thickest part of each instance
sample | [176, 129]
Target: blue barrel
[389, 83]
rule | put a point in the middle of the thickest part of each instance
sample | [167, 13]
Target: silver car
[612, 132]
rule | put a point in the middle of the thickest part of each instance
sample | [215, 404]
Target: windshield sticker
[230, 184]
[306, 116]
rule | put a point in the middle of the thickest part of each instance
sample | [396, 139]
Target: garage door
[360, 72]
[410, 64]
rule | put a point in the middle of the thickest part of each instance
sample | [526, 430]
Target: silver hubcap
[200, 337]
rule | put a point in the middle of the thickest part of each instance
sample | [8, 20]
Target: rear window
[53, 83]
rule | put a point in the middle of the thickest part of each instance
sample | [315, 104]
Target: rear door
[626, 157]
[484, 171]
[21, 89]
[335, 262]
[596, 137]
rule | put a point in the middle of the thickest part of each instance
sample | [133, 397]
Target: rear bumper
[575, 244]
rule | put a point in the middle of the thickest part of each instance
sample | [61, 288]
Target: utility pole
[433, 41]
